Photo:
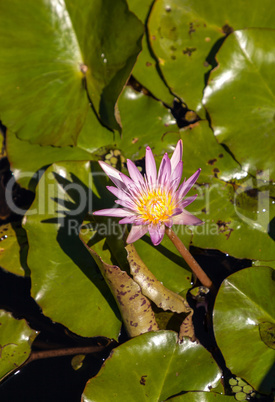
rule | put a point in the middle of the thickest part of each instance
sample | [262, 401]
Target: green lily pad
[240, 98]
[244, 304]
[46, 71]
[203, 397]
[13, 244]
[145, 122]
[16, 338]
[25, 170]
[152, 367]
[185, 37]
[66, 282]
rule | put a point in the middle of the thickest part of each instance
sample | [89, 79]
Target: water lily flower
[154, 201]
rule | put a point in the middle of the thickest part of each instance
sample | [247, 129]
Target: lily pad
[153, 366]
[16, 338]
[27, 171]
[240, 98]
[185, 37]
[244, 304]
[53, 65]
[66, 282]
[145, 122]
[13, 245]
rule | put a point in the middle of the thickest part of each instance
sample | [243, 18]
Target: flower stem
[196, 268]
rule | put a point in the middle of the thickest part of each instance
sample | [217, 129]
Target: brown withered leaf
[135, 308]
[164, 298]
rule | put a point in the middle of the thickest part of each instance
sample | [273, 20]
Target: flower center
[156, 206]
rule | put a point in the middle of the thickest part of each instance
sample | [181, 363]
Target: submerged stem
[196, 268]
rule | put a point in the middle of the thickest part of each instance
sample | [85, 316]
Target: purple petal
[126, 204]
[188, 200]
[164, 170]
[169, 222]
[118, 193]
[156, 233]
[176, 176]
[112, 173]
[119, 212]
[136, 233]
[134, 172]
[186, 218]
[177, 155]
[150, 167]
[128, 219]
[186, 186]
[177, 211]
[126, 180]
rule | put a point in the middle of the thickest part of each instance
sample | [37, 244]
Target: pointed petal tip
[136, 233]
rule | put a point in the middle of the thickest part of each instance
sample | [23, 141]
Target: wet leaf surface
[243, 84]
[185, 37]
[58, 63]
[153, 366]
[245, 303]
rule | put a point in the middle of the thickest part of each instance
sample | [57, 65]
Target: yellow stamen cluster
[156, 206]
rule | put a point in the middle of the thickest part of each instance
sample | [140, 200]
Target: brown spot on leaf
[191, 28]
[189, 50]
[227, 29]
[134, 296]
[133, 324]
[223, 228]
[119, 292]
[220, 155]
[148, 64]
[216, 171]
[143, 379]
[203, 210]
[212, 161]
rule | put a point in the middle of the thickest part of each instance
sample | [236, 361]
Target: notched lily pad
[153, 367]
[48, 72]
